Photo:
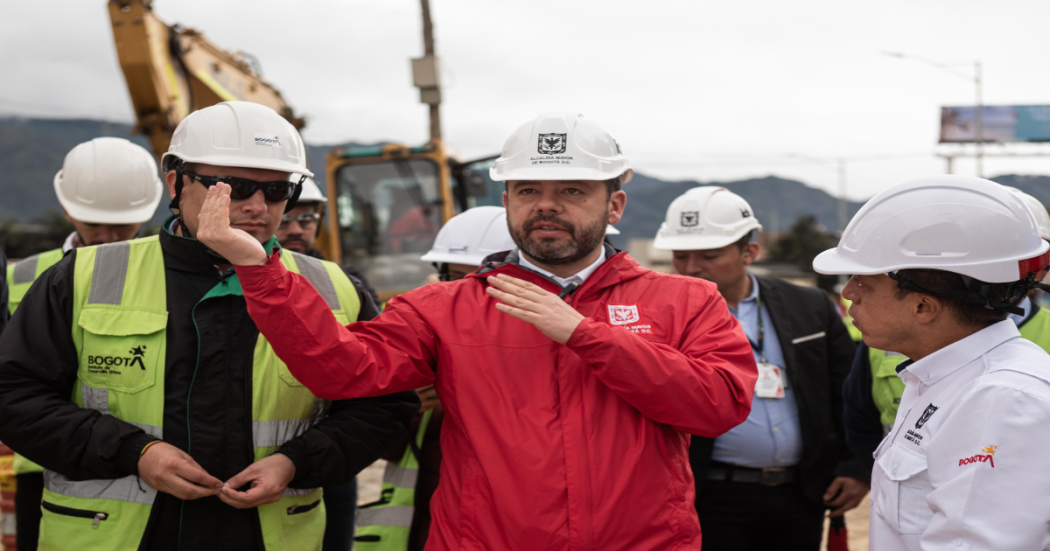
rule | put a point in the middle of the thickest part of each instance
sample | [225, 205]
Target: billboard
[1002, 123]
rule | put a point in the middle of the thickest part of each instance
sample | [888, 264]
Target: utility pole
[426, 74]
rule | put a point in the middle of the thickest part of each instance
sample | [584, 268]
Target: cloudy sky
[698, 89]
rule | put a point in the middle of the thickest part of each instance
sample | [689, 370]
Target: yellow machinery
[387, 203]
[172, 72]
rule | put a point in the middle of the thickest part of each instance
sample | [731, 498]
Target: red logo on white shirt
[987, 457]
[622, 315]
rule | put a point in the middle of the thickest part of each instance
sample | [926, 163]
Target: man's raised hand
[533, 304]
[236, 246]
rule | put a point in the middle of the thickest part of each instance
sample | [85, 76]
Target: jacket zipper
[300, 509]
[79, 513]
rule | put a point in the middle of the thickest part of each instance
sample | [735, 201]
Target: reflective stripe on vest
[20, 277]
[22, 274]
[386, 524]
[119, 331]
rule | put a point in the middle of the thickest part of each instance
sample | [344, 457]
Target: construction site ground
[370, 481]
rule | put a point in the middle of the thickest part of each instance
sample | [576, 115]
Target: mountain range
[32, 151]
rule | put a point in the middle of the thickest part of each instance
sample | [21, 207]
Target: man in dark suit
[766, 483]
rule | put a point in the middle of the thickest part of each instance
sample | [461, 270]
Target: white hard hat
[238, 134]
[559, 146]
[1042, 218]
[470, 236]
[609, 230]
[960, 224]
[311, 193]
[109, 181]
[704, 218]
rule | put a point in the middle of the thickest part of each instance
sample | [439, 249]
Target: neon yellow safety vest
[887, 388]
[22, 274]
[20, 277]
[387, 524]
[120, 308]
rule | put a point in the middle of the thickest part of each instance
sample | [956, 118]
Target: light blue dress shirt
[770, 436]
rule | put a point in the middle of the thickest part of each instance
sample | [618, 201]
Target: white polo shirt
[967, 463]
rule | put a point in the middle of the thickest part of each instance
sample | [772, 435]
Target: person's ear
[617, 204]
[170, 179]
[750, 253]
[927, 308]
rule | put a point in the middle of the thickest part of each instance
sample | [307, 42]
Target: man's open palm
[236, 246]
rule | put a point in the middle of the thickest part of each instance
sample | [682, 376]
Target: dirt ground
[371, 479]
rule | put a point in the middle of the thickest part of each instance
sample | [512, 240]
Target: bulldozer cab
[387, 204]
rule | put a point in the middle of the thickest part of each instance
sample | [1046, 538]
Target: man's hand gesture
[531, 303]
[236, 246]
[173, 471]
[267, 478]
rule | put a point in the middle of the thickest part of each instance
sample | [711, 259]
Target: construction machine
[386, 204]
[172, 71]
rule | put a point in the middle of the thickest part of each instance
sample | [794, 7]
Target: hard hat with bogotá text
[960, 224]
[1042, 218]
[559, 146]
[238, 134]
[470, 236]
[705, 218]
[109, 181]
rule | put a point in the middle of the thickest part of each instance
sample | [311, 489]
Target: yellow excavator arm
[173, 71]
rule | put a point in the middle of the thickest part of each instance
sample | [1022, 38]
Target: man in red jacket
[571, 376]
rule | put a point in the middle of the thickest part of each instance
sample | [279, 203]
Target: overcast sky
[698, 89]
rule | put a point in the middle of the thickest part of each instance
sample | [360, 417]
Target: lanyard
[761, 346]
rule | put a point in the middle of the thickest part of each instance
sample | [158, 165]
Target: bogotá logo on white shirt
[987, 457]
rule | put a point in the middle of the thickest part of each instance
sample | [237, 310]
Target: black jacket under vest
[816, 367]
[38, 368]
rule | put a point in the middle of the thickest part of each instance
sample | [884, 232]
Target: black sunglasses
[243, 188]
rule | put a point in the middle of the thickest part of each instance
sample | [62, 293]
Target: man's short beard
[582, 241]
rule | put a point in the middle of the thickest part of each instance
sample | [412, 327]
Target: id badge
[770, 382]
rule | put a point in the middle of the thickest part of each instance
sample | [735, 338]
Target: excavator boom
[173, 71]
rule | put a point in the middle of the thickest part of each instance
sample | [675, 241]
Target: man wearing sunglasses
[136, 377]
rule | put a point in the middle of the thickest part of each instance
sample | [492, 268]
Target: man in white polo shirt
[938, 263]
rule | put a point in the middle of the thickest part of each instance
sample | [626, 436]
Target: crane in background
[172, 71]
[386, 204]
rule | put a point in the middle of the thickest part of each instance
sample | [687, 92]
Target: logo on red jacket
[622, 315]
[987, 457]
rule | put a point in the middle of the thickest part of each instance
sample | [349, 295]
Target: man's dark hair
[744, 241]
[967, 313]
[612, 185]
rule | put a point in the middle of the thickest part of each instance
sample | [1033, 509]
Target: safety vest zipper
[300, 509]
[79, 513]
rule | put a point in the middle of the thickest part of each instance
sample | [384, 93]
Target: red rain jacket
[582, 446]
